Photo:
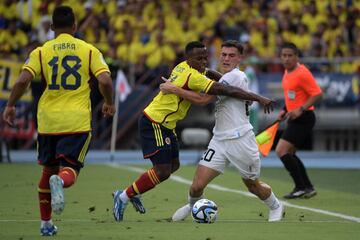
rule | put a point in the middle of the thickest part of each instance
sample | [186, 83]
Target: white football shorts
[241, 152]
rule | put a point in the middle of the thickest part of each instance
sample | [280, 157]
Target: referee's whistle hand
[294, 113]
[282, 115]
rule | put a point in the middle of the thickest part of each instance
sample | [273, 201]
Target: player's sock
[124, 197]
[272, 202]
[291, 164]
[68, 176]
[307, 181]
[144, 183]
[48, 223]
[45, 204]
[193, 200]
[45, 194]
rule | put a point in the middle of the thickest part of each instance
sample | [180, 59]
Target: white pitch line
[288, 221]
[225, 189]
[219, 220]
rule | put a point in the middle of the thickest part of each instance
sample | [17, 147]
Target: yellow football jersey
[167, 109]
[65, 64]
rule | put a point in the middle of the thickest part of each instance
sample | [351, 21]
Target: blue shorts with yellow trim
[68, 150]
[158, 143]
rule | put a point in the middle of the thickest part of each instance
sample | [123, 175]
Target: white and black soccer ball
[204, 211]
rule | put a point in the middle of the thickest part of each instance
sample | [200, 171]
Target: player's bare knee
[163, 171]
[253, 188]
[163, 174]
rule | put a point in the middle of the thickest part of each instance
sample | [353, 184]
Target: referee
[301, 92]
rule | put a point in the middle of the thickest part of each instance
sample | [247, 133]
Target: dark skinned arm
[195, 98]
[106, 90]
[235, 92]
[19, 88]
[212, 74]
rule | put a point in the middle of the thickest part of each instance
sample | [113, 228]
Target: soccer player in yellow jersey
[65, 65]
[233, 139]
[158, 122]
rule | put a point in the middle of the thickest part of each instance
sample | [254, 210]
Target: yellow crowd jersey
[167, 109]
[65, 64]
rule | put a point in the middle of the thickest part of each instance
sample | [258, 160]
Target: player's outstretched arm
[106, 90]
[212, 74]
[235, 92]
[19, 88]
[193, 97]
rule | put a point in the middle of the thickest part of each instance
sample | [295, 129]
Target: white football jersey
[232, 115]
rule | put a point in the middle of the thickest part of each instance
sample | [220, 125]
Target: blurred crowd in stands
[151, 34]
[146, 38]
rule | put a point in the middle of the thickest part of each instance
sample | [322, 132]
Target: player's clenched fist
[108, 110]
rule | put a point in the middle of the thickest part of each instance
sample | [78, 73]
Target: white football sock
[272, 202]
[124, 197]
[46, 223]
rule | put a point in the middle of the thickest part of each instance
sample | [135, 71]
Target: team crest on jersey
[167, 140]
[173, 78]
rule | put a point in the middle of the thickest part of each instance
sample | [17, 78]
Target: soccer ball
[204, 211]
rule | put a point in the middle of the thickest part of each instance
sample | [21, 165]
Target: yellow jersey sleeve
[98, 64]
[32, 64]
[199, 82]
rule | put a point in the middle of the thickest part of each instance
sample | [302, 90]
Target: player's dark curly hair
[63, 17]
[235, 44]
[191, 45]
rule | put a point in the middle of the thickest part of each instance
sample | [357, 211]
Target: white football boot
[57, 194]
[181, 213]
[277, 214]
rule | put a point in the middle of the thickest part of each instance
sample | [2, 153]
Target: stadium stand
[146, 38]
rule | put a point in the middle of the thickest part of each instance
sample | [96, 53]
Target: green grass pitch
[88, 211]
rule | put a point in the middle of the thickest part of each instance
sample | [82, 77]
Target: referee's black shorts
[299, 129]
